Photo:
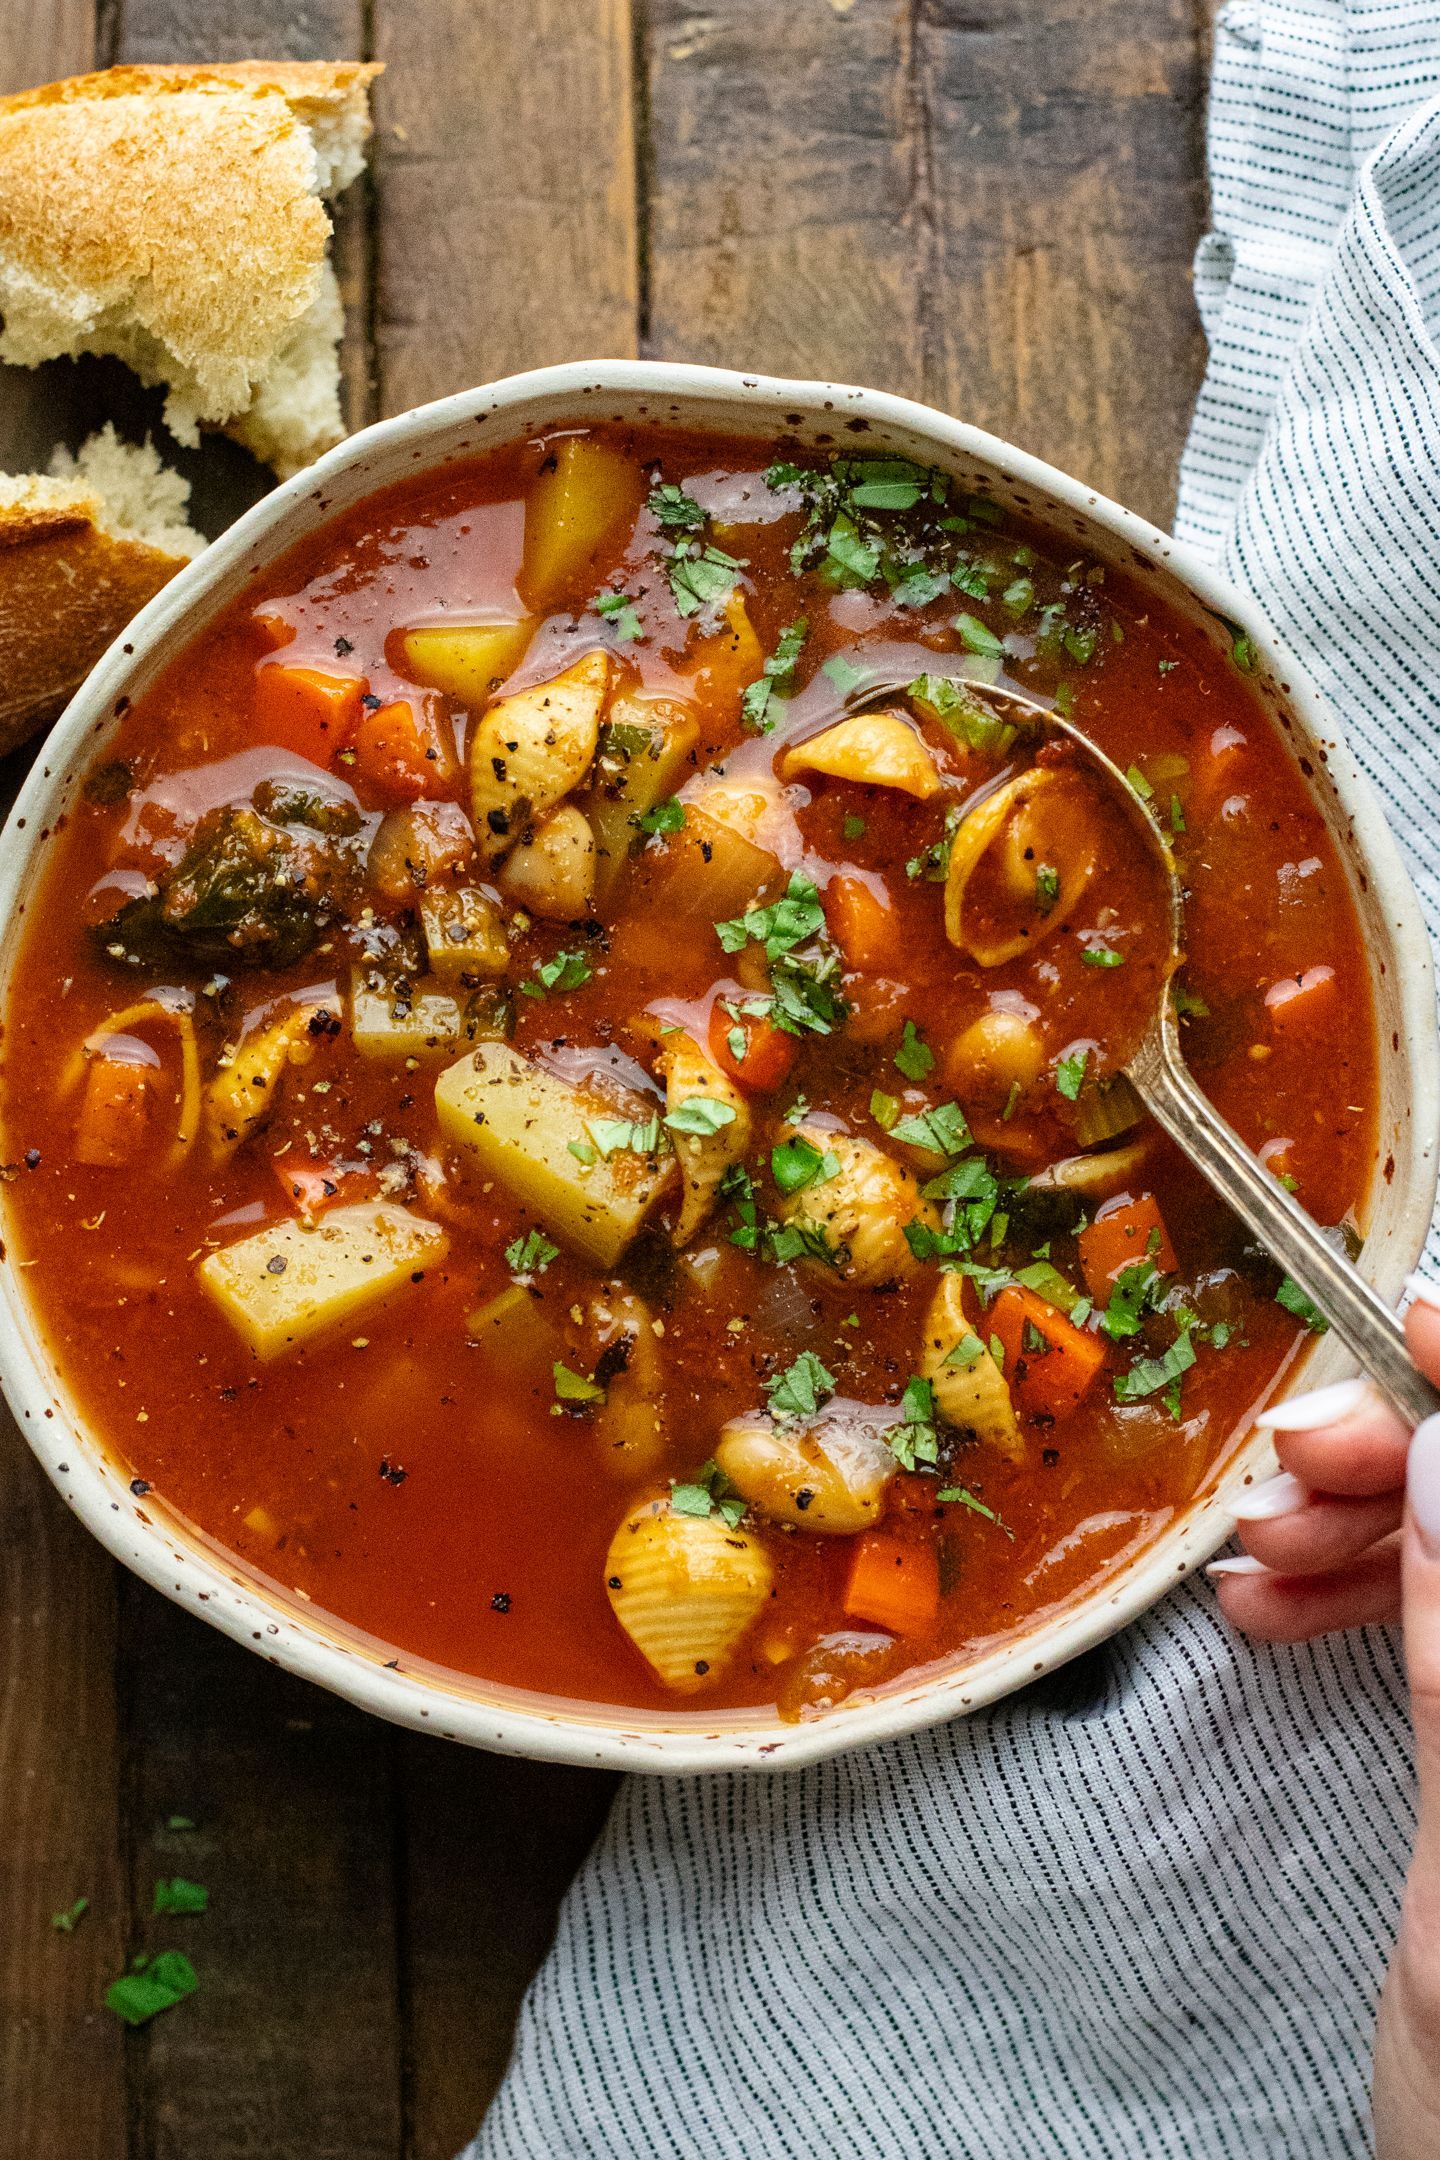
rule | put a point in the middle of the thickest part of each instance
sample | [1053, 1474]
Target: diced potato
[875, 749]
[647, 748]
[464, 933]
[516, 1122]
[829, 1477]
[469, 661]
[241, 1095]
[691, 1078]
[532, 748]
[970, 1389]
[586, 501]
[292, 1281]
[861, 1212]
[387, 1024]
[551, 870]
[731, 658]
[685, 1588]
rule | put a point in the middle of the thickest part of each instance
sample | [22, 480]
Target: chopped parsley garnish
[943, 1130]
[971, 1192]
[799, 1391]
[710, 1493]
[914, 1057]
[1019, 596]
[968, 718]
[1102, 956]
[976, 636]
[802, 1241]
[919, 586]
[619, 610]
[885, 1109]
[1070, 1074]
[667, 816]
[701, 1115]
[152, 1984]
[1080, 640]
[853, 827]
[778, 674]
[616, 1136]
[531, 1254]
[1140, 784]
[802, 997]
[66, 1922]
[574, 1387]
[1177, 815]
[1148, 1375]
[934, 863]
[179, 1896]
[796, 1163]
[915, 1439]
[787, 922]
[844, 674]
[1047, 886]
[701, 577]
[965, 1352]
[737, 1042]
[1294, 1300]
[961, 1496]
[567, 971]
[1135, 1291]
[674, 509]
[738, 1187]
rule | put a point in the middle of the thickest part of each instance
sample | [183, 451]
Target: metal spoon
[1160, 1077]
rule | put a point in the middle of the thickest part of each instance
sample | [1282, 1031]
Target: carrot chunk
[111, 1126]
[894, 1583]
[311, 1187]
[1123, 1232]
[1301, 1005]
[406, 750]
[864, 927]
[1050, 1364]
[305, 710]
[762, 1062]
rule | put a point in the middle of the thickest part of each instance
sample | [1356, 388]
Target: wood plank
[781, 189]
[292, 2044]
[506, 173]
[62, 2068]
[491, 1845]
[1064, 189]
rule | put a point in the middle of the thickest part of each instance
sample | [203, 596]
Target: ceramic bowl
[168, 1554]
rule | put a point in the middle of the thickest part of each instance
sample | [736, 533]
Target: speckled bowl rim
[169, 1554]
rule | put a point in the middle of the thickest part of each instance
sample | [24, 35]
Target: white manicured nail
[1280, 1495]
[1238, 1564]
[1422, 1484]
[1322, 1406]
[1424, 1290]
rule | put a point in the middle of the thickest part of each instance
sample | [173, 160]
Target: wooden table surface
[987, 204]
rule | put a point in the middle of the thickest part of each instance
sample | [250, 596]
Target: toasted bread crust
[174, 215]
[67, 587]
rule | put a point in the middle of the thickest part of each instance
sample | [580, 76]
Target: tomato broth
[739, 1279]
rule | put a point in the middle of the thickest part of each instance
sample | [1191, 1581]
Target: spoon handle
[1360, 1317]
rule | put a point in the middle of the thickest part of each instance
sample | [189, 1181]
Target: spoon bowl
[1164, 1086]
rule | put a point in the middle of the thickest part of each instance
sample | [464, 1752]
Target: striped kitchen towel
[1144, 1909]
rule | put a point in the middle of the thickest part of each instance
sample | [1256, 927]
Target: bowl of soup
[568, 1184]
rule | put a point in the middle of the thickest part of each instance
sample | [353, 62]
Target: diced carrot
[306, 710]
[406, 750]
[1123, 1232]
[111, 1126]
[731, 658]
[1050, 1364]
[893, 1582]
[274, 629]
[1300, 1005]
[1217, 770]
[311, 1187]
[865, 927]
[768, 1055]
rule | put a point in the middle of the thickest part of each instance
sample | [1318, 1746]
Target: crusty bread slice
[174, 216]
[80, 551]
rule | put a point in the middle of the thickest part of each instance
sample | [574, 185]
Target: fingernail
[1426, 1291]
[1322, 1406]
[1280, 1495]
[1422, 1484]
[1238, 1564]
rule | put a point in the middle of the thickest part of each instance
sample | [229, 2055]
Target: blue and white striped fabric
[1145, 1910]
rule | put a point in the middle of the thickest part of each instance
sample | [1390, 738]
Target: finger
[1290, 1608]
[1297, 1532]
[1340, 1439]
[1422, 1326]
[1422, 1641]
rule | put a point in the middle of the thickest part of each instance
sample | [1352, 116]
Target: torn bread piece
[175, 216]
[81, 551]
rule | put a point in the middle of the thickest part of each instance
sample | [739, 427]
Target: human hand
[1349, 1533]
